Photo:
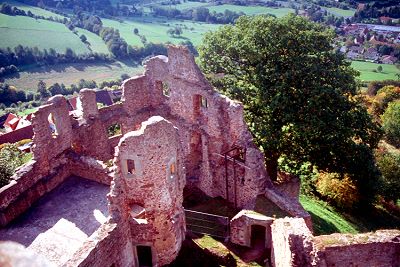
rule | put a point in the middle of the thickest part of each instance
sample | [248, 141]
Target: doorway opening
[144, 256]
[258, 234]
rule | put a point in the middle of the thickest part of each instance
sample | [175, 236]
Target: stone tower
[147, 191]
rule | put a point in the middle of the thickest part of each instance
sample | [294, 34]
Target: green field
[16, 30]
[155, 30]
[367, 71]
[341, 12]
[71, 74]
[95, 41]
[253, 10]
[325, 219]
[189, 5]
[35, 10]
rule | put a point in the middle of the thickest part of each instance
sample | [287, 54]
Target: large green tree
[299, 94]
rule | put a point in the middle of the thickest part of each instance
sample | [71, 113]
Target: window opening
[166, 90]
[203, 102]
[114, 129]
[131, 166]
[52, 125]
[171, 171]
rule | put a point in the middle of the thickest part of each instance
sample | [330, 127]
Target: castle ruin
[97, 196]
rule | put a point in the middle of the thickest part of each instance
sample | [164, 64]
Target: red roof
[17, 135]
[9, 118]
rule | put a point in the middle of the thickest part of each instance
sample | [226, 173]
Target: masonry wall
[108, 246]
[294, 245]
[148, 187]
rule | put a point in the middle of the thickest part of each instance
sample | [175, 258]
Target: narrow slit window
[166, 90]
[114, 129]
[203, 102]
[171, 171]
[52, 125]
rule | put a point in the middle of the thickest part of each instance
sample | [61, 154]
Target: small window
[131, 166]
[203, 102]
[171, 171]
[114, 129]
[166, 90]
[52, 125]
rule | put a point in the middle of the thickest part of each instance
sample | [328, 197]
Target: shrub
[391, 123]
[10, 159]
[339, 190]
[389, 165]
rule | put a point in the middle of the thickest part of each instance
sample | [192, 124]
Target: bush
[391, 123]
[339, 190]
[10, 159]
[389, 165]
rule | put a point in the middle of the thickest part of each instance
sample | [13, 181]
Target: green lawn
[155, 29]
[253, 10]
[35, 10]
[189, 5]
[16, 30]
[341, 12]
[367, 71]
[71, 74]
[325, 219]
[95, 41]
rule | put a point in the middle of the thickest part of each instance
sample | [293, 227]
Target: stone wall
[197, 128]
[148, 187]
[294, 245]
[108, 246]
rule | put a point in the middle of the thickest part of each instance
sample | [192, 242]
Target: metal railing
[205, 223]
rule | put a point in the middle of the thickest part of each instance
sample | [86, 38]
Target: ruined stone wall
[381, 248]
[148, 187]
[294, 245]
[108, 246]
[291, 243]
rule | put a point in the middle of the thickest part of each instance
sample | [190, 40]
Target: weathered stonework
[147, 189]
[175, 129]
[294, 245]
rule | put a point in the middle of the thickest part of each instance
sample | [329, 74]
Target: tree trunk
[272, 167]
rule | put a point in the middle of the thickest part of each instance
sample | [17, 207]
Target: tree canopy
[299, 95]
[391, 123]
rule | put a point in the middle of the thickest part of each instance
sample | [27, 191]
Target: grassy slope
[252, 10]
[35, 10]
[340, 12]
[95, 41]
[15, 30]
[189, 5]
[71, 73]
[155, 29]
[325, 219]
[367, 74]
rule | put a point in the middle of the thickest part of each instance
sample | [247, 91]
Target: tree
[83, 38]
[379, 68]
[389, 165]
[136, 31]
[298, 94]
[391, 123]
[42, 89]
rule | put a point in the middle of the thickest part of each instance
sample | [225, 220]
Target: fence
[205, 223]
